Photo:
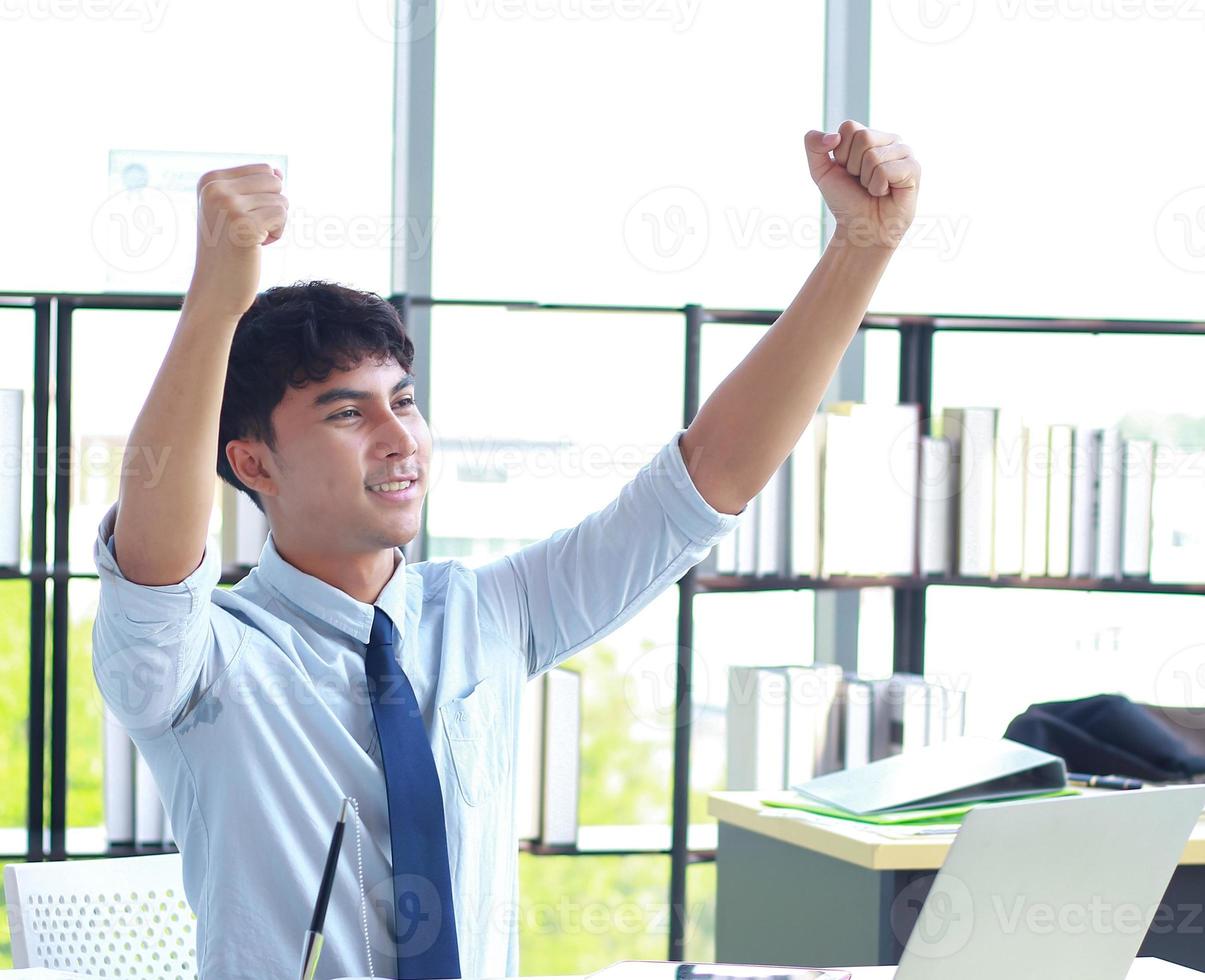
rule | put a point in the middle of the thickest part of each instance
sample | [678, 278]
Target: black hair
[290, 336]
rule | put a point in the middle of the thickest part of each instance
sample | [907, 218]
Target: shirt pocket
[477, 746]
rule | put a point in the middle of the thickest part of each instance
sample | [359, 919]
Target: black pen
[313, 938]
[1103, 782]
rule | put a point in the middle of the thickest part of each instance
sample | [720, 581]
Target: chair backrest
[123, 917]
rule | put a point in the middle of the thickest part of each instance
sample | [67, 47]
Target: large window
[1061, 152]
[125, 104]
[641, 152]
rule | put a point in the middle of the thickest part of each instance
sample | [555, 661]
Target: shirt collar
[332, 605]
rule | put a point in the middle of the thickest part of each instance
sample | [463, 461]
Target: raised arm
[167, 486]
[754, 418]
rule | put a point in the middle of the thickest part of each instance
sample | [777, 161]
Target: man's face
[335, 439]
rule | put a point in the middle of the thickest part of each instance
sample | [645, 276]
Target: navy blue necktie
[422, 883]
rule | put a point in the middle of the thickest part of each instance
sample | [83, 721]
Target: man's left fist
[869, 181]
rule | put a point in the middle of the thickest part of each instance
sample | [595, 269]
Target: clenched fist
[869, 182]
[239, 210]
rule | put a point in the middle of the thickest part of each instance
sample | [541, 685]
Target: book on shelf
[935, 493]
[972, 436]
[864, 493]
[804, 484]
[1035, 512]
[12, 403]
[773, 524]
[757, 728]
[1178, 519]
[1108, 451]
[1137, 488]
[1058, 538]
[1084, 463]
[870, 501]
[1008, 493]
[789, 724]
[746, 534]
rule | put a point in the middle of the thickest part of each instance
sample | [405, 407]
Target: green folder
[936, 815]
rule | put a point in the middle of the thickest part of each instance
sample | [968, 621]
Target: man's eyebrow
[354, 394]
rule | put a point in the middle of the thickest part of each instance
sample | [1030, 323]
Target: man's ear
[246, 457]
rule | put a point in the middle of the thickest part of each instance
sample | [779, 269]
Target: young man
[334, 668]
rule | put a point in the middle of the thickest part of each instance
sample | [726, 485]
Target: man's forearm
[753, 420]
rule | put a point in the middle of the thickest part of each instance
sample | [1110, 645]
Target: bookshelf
[51, 389]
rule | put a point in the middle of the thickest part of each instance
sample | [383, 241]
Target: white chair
[104, 917]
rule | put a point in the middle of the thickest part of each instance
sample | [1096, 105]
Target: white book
[12, 404]
[724, 551]
[757, 727]
[1138, 483]
[802, 730]
[1037, 494]
[1009, 492]
[1107, 503]
[772, 528]
[746, 534]
[858, 721]
[935, 730]
[560, 786]
[936, 493]
[804, 486]
[531, 754]
[118, 759]
[244, 529]
[1083, 501]
[148, 807]
[823, 687]
[882, 718]
[909, 704]
[1058, 540]
[839, 513]
[956, 712]
[972, 435]
[1178, 519]
[889, 437]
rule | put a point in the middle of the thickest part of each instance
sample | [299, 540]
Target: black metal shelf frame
[53, 320]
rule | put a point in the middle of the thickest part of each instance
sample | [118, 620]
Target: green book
[936, 815]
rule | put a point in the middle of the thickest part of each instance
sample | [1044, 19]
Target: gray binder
[962, 770]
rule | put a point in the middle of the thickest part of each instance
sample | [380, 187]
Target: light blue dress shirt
[251, 708]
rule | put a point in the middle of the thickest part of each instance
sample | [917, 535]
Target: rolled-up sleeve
[556, 596]
[152, 645]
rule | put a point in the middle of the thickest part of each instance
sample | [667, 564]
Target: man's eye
[351, 411]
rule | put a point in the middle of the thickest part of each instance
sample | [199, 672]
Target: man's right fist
[238, 210]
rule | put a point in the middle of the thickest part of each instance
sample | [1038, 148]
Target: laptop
[1060, 888]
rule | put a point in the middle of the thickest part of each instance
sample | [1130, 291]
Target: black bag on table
[1110, 735]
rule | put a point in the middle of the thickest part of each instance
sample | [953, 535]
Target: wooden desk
[795, 890]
